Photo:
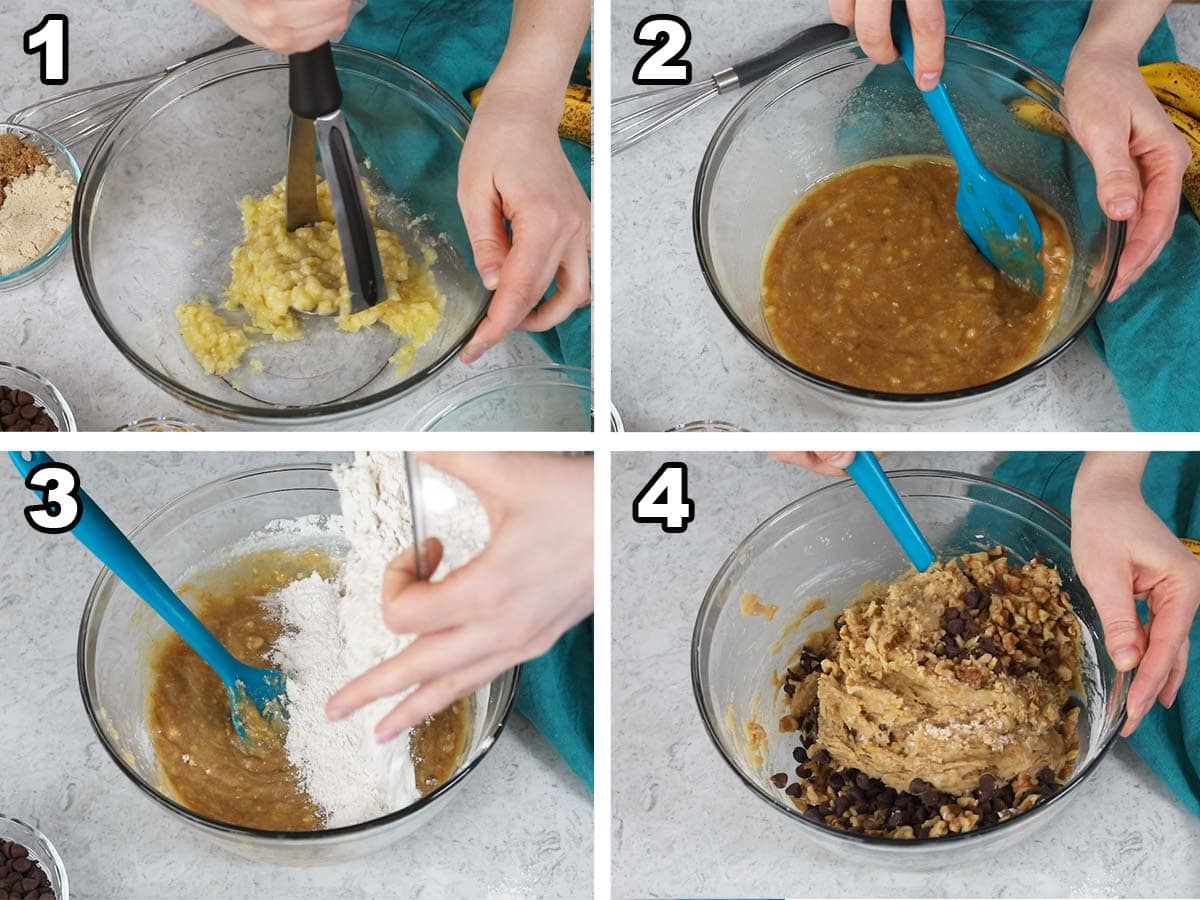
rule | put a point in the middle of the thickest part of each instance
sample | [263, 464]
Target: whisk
[671, 103]
[84, 112]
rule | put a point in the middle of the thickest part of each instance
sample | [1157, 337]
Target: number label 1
[664, 500]
[670, 37]
[49, 38]
[60, 508]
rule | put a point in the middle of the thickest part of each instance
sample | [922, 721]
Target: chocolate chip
[863, 781]
[842, 805]
[22, 865]
[812, 813]
[789, 688]
[955, 626]
[836, 780]
[800, 755]
[1046, 775]
[779, 779]
[930, 798]
[22, 397]
[803, 772]
[917, 786]
[822, 757]
[897, 818]
[858, 795]
[987, 785]
[823, 810]
[794, 790]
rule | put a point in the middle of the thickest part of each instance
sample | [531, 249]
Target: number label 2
[664, 500]
[60, 508]
[49, 39]
[670, 37]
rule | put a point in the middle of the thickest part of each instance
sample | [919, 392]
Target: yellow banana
[576, 122]
[1175, 84]
[1190, 128]
[1038, 115]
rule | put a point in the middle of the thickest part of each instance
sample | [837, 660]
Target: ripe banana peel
[576, 122]
[1176, 85]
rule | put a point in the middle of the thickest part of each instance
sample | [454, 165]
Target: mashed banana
[277, 274]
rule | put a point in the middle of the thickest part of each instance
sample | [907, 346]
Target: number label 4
[60, 509]
[664, 500]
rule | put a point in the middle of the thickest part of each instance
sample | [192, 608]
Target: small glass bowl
[40, 850]
[519, 398]
[159, 423]
[55, 151]
[701, 425]
[829, 544]
[44, 394]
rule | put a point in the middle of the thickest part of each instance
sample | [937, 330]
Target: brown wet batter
[871, 282]
[207, 765]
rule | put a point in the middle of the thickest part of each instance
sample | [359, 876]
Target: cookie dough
[937, 703]
[277, 274]
[871, 282]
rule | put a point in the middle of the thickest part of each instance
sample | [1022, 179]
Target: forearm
[1121, 28]
[543, 44]
[1107, 473]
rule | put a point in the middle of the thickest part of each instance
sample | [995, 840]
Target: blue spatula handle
[938, 99]
[104, 539]
[874, 483]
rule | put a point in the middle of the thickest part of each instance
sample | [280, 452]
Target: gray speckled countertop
[706, 370]
[521, 827]
[684, 825]
[47, 325]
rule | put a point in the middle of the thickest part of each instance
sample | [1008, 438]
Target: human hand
[1139, 156]
[531, 583]
[1122, 550]
[823, 462]
[872, 21]
[513, 168]
[285, 26]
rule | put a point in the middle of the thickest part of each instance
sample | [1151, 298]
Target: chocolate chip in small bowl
[30, 403]
[30, 867]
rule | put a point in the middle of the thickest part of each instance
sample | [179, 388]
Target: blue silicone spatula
[994, 214]
[881, 494]
[99, 534]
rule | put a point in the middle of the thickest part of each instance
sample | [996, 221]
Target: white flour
[334, 631]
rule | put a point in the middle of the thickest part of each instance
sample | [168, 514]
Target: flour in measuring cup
[334, 631]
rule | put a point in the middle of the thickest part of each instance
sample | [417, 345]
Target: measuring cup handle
[313, 87]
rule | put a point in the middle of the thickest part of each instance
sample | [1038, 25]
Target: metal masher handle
[803, 42]
[313, 88]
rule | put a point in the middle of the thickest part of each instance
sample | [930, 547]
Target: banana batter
[277, 274]
[939, 702]
[871, 282]
[210, 769]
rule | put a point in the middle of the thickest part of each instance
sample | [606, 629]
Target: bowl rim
[226, 828]
[229, 409]
[56, 395]
[9, 278]
[897, 844]
[484, 384]
[707, 269]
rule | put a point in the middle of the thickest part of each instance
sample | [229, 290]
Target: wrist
[1109, 475]
[526, 95]
[1117, 30]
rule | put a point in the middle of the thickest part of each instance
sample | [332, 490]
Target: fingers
[402, 570]
[1175, 679]
[295, 26]
[425, 607]
[429, 657]
[823, 462]
[842, 12]
[1159, 211]
[873, 28]
[928, 21]
[537, 247]
[1112, 592]
[1168, 631]
[485, 228]
[432, 698]
[574, 290]
[1118, 180]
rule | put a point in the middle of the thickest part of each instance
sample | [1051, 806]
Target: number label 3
[60, 509]
[670, 37]
[664, 500]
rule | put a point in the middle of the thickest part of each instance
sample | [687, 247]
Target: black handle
[313, 88]
[807, 40]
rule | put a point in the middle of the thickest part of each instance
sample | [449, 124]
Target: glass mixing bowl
[42, 852]
[829, 544]
[119, 634]
[834, 109]
[518, 398]
[158, 217]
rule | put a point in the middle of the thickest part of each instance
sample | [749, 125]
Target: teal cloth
[1147, 337]
[1168, 739]
[556, 696]
[456, 45]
